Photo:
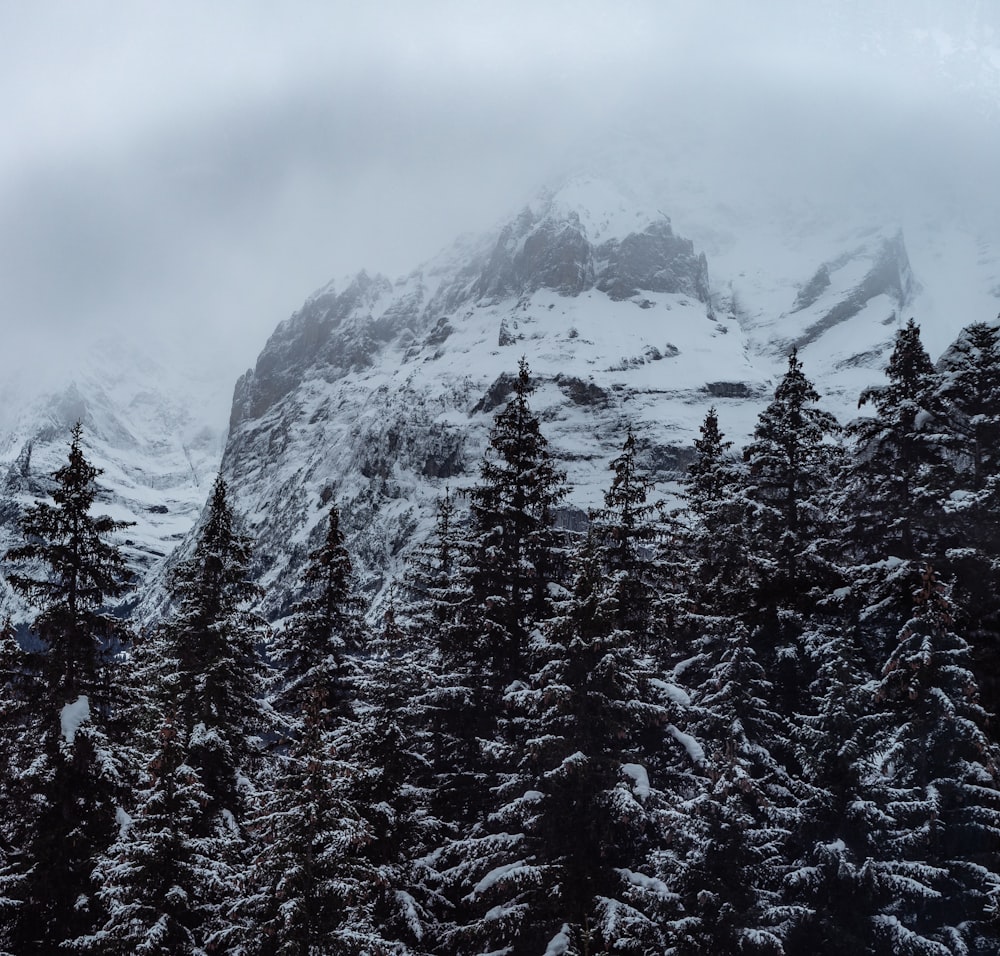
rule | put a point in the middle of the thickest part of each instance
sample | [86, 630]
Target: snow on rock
[72, 716]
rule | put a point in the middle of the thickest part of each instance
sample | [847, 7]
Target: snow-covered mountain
[146, 424]
[379, 394]
[631, 308]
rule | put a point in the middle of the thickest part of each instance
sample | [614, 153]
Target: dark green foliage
[79, 570]
[566, 856]
[937, 783]
[790, 467]
[900, 464]
[212, 669]
[67, 776]
[165, 881]
[513, 552]
[627, 531]
[313, 649]
[715, 540]
[735, 828]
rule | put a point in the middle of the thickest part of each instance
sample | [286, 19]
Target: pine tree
[970, 370]
[211, 638]
[190, 826]
[507, 571]
[790, 467]
[937, 784]
[731, 842]
[307, 874]
[67, 794]
[84, 569]
[326, 873]
[313, 650]
[833, 880]
[166, 877]
[900, 465]
[564, 861]
[715, 539]
[628, 530]
[513, 542]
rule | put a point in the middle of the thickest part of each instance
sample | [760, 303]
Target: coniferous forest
[763, 722]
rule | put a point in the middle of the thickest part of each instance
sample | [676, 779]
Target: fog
[194, 170]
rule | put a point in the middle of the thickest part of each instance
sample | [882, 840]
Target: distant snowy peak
[603, 210]
[144, 426]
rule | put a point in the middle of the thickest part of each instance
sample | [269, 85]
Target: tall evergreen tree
[564, 861]
[314, 650]
[715, 539]
[938, 787]
[970, 371]
[900, 466]
[514, 546]
[213, 636]
[731, 842]
[628, 530]
[83, 570]
[66, 798]
[172, 874]
[790, 468]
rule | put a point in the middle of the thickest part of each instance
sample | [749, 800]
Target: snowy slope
[380, 394]
[146, 424]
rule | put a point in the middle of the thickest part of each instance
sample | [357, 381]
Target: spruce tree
[790, 468]
[166, 878]
[790, 465]
[717, 582]
[212, 636]
[832, 880]
[937, 785]
[173, 874]
[628, 530]
[730, 844]
[900, 465]
[970, 371]
[67, 794]
[564, 861]
[314, 649]
[514, 546]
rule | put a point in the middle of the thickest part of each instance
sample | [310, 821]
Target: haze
[193, 171]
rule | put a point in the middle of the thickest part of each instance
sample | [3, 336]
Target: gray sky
[202, 167]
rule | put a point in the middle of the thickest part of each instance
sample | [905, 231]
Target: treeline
[760, 724]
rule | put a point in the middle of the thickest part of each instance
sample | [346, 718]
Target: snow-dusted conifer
[72, 777]
[715, 539]
[627, 531]
[564, 861]
[212, 637]
[937, 784]
[167, 878]
[314, 648]
[210, 685]
[514, 546]
[790, 468]
[731, 839]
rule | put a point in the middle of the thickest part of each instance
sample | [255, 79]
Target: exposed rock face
[653, 261]
[889, 275]
[381, 395]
